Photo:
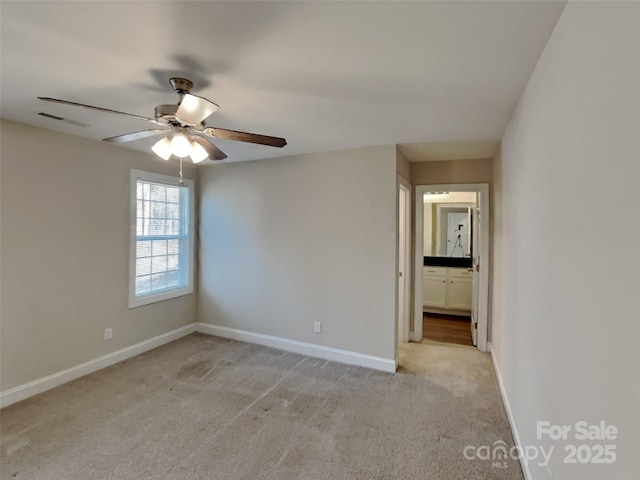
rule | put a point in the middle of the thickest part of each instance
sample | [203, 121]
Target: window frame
[138, 301]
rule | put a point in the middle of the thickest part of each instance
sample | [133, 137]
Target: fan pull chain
[181, 182]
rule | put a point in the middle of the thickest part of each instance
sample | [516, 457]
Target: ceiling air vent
[48, 115]
[66, 120]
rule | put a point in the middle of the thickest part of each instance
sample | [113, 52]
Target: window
[161, 260]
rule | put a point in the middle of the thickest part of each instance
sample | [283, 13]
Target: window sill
[158, 297]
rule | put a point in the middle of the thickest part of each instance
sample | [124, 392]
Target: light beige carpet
[209, 408]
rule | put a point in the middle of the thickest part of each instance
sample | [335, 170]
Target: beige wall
[452, 171]
[289, 241]
[566, 312]
[403, 167]
[65, 253]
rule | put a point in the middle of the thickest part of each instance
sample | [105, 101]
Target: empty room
[319, 240]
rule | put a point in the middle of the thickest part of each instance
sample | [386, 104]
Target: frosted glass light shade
[193, 109]
[198, 153]
[180, 145]
[162, 148]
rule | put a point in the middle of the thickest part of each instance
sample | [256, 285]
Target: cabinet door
[459, 293]
[434, 291]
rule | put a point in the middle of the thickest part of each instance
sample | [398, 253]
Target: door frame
[402, 184]
[482, 189]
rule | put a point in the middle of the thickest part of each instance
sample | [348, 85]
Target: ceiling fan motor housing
[166, 114]
[181, 85]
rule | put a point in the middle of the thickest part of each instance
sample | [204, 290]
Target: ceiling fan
[183, 126]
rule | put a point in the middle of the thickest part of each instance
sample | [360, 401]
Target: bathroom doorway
[451, 264]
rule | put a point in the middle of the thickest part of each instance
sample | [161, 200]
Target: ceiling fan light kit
[183, 126]
[181, 145]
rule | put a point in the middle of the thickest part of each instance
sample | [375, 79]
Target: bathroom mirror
[448, 224]
[453, 231]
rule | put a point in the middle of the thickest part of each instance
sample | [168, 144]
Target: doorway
[451, 288]
[404, 262]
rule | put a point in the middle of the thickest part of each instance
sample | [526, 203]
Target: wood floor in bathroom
[447, 328]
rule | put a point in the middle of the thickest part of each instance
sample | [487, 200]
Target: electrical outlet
[317, 327]
[108, 333]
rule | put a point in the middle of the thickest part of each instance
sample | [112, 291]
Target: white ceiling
[325, 75]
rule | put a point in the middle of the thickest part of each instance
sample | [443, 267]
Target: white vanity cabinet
[459, 289]
[446, 288]
[434, 287]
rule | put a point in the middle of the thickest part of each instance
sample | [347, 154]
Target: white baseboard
[22, 392]
[507, 407]
[313, 350]
[40, 385]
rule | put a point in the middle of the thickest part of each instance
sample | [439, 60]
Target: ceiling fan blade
[214, 152]
[100, 109]
[245, 137]
[193, 109]
[129, 137]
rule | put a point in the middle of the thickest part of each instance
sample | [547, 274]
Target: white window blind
[162, 254]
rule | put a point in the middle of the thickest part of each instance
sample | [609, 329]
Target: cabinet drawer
[460, 273]
[434, 271]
